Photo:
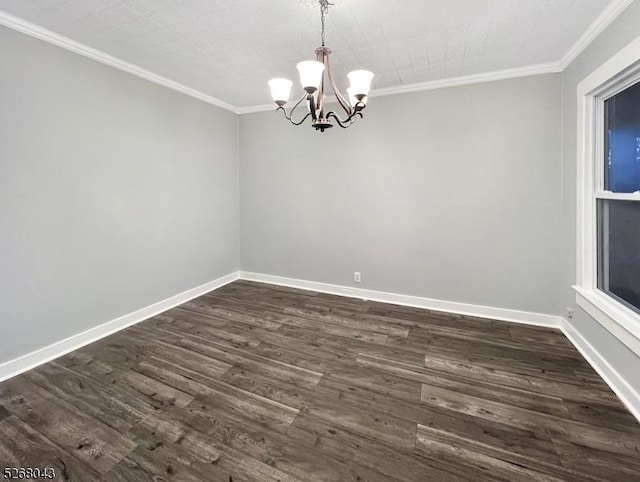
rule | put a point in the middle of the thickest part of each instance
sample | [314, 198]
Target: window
[618, 214]
[608, 207]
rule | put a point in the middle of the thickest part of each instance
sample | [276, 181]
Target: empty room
[320, 240]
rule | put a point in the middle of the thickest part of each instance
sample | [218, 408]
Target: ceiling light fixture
[312, 77]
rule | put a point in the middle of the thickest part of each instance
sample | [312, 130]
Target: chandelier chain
[324, 10]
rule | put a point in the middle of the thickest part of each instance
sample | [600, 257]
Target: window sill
[622, 322]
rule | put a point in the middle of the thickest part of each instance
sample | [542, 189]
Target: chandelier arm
[289, 116]
[344, 123]
[341, 100]
[294, 122]
[304, 96]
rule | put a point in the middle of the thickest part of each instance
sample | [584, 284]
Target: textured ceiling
[229, 49]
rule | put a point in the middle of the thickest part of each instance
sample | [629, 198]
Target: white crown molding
[41, 33]
[526, 71]
[609, 14]
[516, 316]
[252, 109]
[31, 360]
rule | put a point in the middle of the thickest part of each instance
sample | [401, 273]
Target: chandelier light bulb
[280, 90]
[360, 82]
[310, 74]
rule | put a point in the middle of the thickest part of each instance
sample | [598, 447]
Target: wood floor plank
[486, 355]
[535, 445]
[131, 385]
[304, 355]
[335, 330]
[472, 386]
[587, 435]
[249, 359]
[193, 361]
[87, 396]
[201, 306]
[349, 322]
[267, 446]
[344, 445]
[377, 382]
[238, 401]
[84, 437]
[23, 446]
[194, 317]
[268, 387]
[495, 345]
[161, 464]
[263, 383]
[603, 414]
[328, 341]
[434, 443]
[246, 405]
[386, 429]
[205, 457]
[539, 383]
[604, 465]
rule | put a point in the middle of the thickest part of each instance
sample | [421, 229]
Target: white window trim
[618, 73]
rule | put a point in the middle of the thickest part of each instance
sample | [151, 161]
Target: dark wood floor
[263, 383]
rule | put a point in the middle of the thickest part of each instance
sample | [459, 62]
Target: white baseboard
[625, 392]
[31, 360]
[479, 311]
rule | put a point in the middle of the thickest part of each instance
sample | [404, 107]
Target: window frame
[617, 74]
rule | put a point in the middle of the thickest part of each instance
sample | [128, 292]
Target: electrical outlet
[357, 277]
[569, 313]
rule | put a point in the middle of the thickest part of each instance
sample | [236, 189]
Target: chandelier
[313, 74]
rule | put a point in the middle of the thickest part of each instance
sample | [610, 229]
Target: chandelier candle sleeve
[280, 90]
[360, 81]
[310, 75]
[316, 78]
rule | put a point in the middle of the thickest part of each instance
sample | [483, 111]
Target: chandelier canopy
[313, 74]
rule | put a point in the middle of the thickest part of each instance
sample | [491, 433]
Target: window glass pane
[619, 250]
[622, 141]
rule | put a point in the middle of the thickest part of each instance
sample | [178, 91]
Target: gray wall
[451, 194]
[115, 193]
[622, 31]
